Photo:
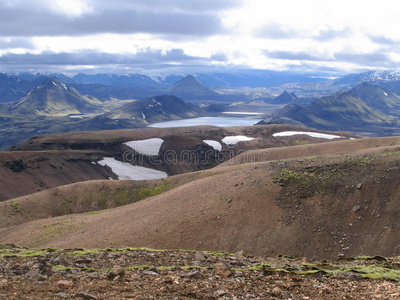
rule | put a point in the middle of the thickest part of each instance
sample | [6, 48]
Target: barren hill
[53, 160]
[320, 207]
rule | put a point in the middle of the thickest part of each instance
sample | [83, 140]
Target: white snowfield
[234, 139]
[149, 147]
[312, 134]
[126, 171]
[216, 145]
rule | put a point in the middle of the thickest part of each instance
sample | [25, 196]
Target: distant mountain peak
[285, 98]
[190, 86]
[53, 97]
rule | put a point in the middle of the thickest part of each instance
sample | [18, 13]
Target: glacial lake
[214, 121]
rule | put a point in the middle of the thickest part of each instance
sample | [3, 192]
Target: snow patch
[386, 94]
[54, 83]
[64, 86]
[149, 147]
[233, 140]
[143, 116]
[126, 171]
[216, 145]
[312, 134]
[156, 102]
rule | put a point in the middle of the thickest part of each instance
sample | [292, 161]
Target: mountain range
[244, 83]
[366, 108]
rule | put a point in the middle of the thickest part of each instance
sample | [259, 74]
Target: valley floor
[131, 273]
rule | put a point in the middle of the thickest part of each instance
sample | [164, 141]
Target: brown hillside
[53, 160]
[357, 146]
[27, 172]
[321, 207]
[85, 197]
[104, 140]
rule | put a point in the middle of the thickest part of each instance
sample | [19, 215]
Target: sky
[156, 36]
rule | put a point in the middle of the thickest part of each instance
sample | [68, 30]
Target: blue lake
[214, 121]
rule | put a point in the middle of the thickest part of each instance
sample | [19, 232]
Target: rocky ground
[131, 273]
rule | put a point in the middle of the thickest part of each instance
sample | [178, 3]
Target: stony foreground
[132, 273]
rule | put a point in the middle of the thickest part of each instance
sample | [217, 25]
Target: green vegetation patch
[306, 182]
[23, 252]
[60, 268]
[366, 271]
[377, 272]
[16, 205]
[95, 212]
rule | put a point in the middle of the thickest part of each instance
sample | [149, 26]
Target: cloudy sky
[125, 36]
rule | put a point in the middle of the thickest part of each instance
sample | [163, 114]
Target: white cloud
[72, 8]
[310, 34]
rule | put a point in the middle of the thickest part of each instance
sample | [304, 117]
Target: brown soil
[27, 172]
[320, 207]
[341, 147]
[147, 274]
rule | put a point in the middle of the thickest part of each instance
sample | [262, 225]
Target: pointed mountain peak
[188, 79]
[189, 85]
[53, 83]
[53, 97]
[285, 98]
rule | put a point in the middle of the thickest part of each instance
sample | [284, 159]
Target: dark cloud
[382, 40]
[170, 5]
[277, 31]
[369, 59]
[221, 57]
[331, 34]
[24, 21]
[280, 31]
[83, 58]
[294, 56]
[25, 43]
[313, 69]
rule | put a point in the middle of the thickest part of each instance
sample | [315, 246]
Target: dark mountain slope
[345, 111]
[14, 88]
[376, 97]
[156, 109]
[52, 98]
